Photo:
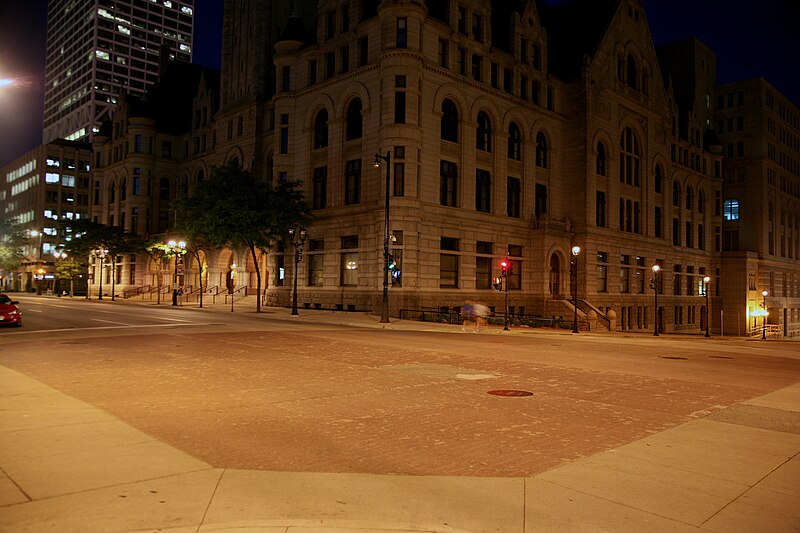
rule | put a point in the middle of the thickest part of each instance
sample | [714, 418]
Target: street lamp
[706, 281]
[38, 272]
[298, 237]
[59, 255]
[654, 284]
[177, 249]
[232, 290]
[385, 302]
[576, 251]
[101, 254]
[764, 314]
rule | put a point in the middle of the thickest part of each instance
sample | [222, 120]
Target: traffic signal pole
[506, 266]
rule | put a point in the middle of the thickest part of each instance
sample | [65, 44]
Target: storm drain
[673, 357]
[510, 392]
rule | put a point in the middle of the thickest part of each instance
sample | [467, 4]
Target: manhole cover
[506, 392]
[673, 357]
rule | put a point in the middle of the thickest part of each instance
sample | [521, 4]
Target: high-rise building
[98, 48]
[760, 132]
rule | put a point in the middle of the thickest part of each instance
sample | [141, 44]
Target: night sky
[762, 42]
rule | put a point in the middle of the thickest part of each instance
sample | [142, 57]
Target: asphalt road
[241, 390]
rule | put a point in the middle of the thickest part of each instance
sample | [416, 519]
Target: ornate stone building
[505, 129]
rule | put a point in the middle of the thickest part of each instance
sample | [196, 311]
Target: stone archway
[555, 276]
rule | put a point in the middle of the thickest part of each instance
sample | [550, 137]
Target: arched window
[185, 188]
[730, 209]
[321, 129]
[112, 192]
[163, 189]
[514, 142]
[629, 158]
[449, 126]
[483, 139]
[658, 179]
[689, 197]
[353, 119]
[541, 150]
[600, 161]
[631, 72]
[123, 189]
[676, 194]
[200, 176]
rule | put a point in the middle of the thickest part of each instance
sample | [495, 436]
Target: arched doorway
[555, 275]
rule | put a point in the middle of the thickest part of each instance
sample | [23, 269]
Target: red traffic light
[505, 266]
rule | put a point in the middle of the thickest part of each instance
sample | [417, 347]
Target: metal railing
[135, 291]
[446, 315]
[770, 330]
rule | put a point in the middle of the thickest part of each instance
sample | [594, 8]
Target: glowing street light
[233, 283]
[177, 249]
[385, 301]
[654, 285]
[706, 281]
[576, 251]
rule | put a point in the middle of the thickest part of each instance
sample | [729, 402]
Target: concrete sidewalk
[68, 466]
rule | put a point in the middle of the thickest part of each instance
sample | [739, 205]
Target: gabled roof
[574, 30]
[169, 101]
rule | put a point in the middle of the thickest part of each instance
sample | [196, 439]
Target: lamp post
[654, 284]
[177, 249]
[298, 237]
[706, 281]
[233, 283]
[100, 254]
[59, 255]
[385, 302]
[38, 272]
[576, 251]
[764, 315]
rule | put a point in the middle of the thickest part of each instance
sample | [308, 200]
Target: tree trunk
[258, 277]
[200, 275]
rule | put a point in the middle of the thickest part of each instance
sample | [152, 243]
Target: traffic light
[394, 270]
[505, 267]
[498, 283]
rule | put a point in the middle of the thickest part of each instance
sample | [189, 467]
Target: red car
[9, 311]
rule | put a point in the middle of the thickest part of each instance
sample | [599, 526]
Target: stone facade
[504, 131]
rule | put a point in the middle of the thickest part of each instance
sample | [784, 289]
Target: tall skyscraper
[98, 48]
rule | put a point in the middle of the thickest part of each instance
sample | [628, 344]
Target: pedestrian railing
[769, 331]
[135, 291]
[447, 315]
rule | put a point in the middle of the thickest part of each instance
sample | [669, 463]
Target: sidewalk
[68, 466]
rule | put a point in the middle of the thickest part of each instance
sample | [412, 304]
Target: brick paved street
[334, 399]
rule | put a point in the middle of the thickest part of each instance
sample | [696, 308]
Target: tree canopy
[12, 240]
[232, 209]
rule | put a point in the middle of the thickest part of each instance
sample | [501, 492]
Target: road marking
[111, 322]
[139, 326]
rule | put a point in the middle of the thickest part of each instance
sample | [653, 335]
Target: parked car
[10, 313]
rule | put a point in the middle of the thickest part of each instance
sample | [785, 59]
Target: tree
[12, 241]
[69, 268]
[90, 236]
[232, 209]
